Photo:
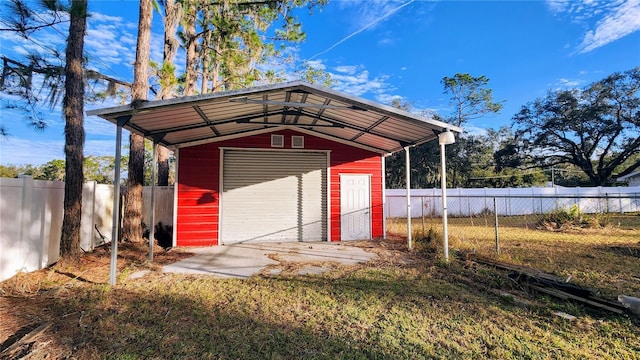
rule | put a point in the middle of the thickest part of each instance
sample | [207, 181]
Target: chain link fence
[479, 220]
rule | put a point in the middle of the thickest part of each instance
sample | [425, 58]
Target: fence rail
[512, 202]
[481, 221]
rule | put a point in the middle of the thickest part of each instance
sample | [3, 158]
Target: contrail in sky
[391, 12]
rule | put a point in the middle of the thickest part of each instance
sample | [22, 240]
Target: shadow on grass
[124, 323]
[366, 314]
[632, 251]
[291, 318]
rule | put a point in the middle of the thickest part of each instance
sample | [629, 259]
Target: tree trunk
[163, 166]
[172, 14]
[205, 51]
[191, 53]
[132, 222]
[74, 132]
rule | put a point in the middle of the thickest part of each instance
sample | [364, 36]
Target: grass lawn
[605, 258]
[404, 305]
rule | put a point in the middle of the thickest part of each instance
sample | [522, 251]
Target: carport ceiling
[307, 108]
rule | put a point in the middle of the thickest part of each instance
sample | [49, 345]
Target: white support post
[408, 182]
[116, 204]
[176, 154]
[384, 198]
[443, 186]
[444, 138]
[152, 217]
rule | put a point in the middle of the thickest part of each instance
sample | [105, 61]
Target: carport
[295, 109]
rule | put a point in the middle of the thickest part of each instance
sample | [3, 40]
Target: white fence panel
[31, 213]
[30, 224]
[97, 212]
[513, 201]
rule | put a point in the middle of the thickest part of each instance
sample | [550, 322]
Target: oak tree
[595, 128]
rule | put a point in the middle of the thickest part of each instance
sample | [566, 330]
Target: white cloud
[316, 64]
[357, 81]
[386, 41]
[156, 47]
[371, 14]
[557, 6]
[371, 11]
[98, 17]
[563, 84]
[110, 44]
[388, 98]
[606, 20]
[472, 130]
[569, 83]
[94, 125]
[350, 69]
[619, 23]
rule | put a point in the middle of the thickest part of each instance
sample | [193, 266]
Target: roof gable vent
[297, 142]
[277, 141]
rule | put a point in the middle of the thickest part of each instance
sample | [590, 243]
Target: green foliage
[241, 42]
[54, 170]
[470, 163]
[37, 79]
[427, 243]
[101, 168]
[314, 75]
[96, 168]
[13, 171]
[470, 160]
[165, 74]
[563, 216]
[470, 97]
[594, 129]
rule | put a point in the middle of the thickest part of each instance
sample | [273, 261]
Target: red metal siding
[349, 160]
[199, 175]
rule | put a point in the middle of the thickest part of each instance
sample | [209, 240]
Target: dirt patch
[26, 297]
[92, 268]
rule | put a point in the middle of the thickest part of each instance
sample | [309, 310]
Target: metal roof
[307, 108]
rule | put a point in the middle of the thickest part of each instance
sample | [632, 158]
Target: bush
[562, 217]
[427, 242]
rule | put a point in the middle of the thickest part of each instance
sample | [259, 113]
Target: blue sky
[381, 50]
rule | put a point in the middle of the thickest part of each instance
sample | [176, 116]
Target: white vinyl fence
[31, 214]
[512, 201]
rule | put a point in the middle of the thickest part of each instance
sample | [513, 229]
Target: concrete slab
[246, 260]
[139, 274]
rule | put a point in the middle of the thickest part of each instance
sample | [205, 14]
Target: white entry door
[355, 207]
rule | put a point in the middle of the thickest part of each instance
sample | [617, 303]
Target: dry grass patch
[402, 305]
[604, 259]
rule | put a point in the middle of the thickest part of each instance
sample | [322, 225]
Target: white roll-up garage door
[273, 196]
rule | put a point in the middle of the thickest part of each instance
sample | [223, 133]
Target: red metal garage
[285, 162]
[265, 188]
